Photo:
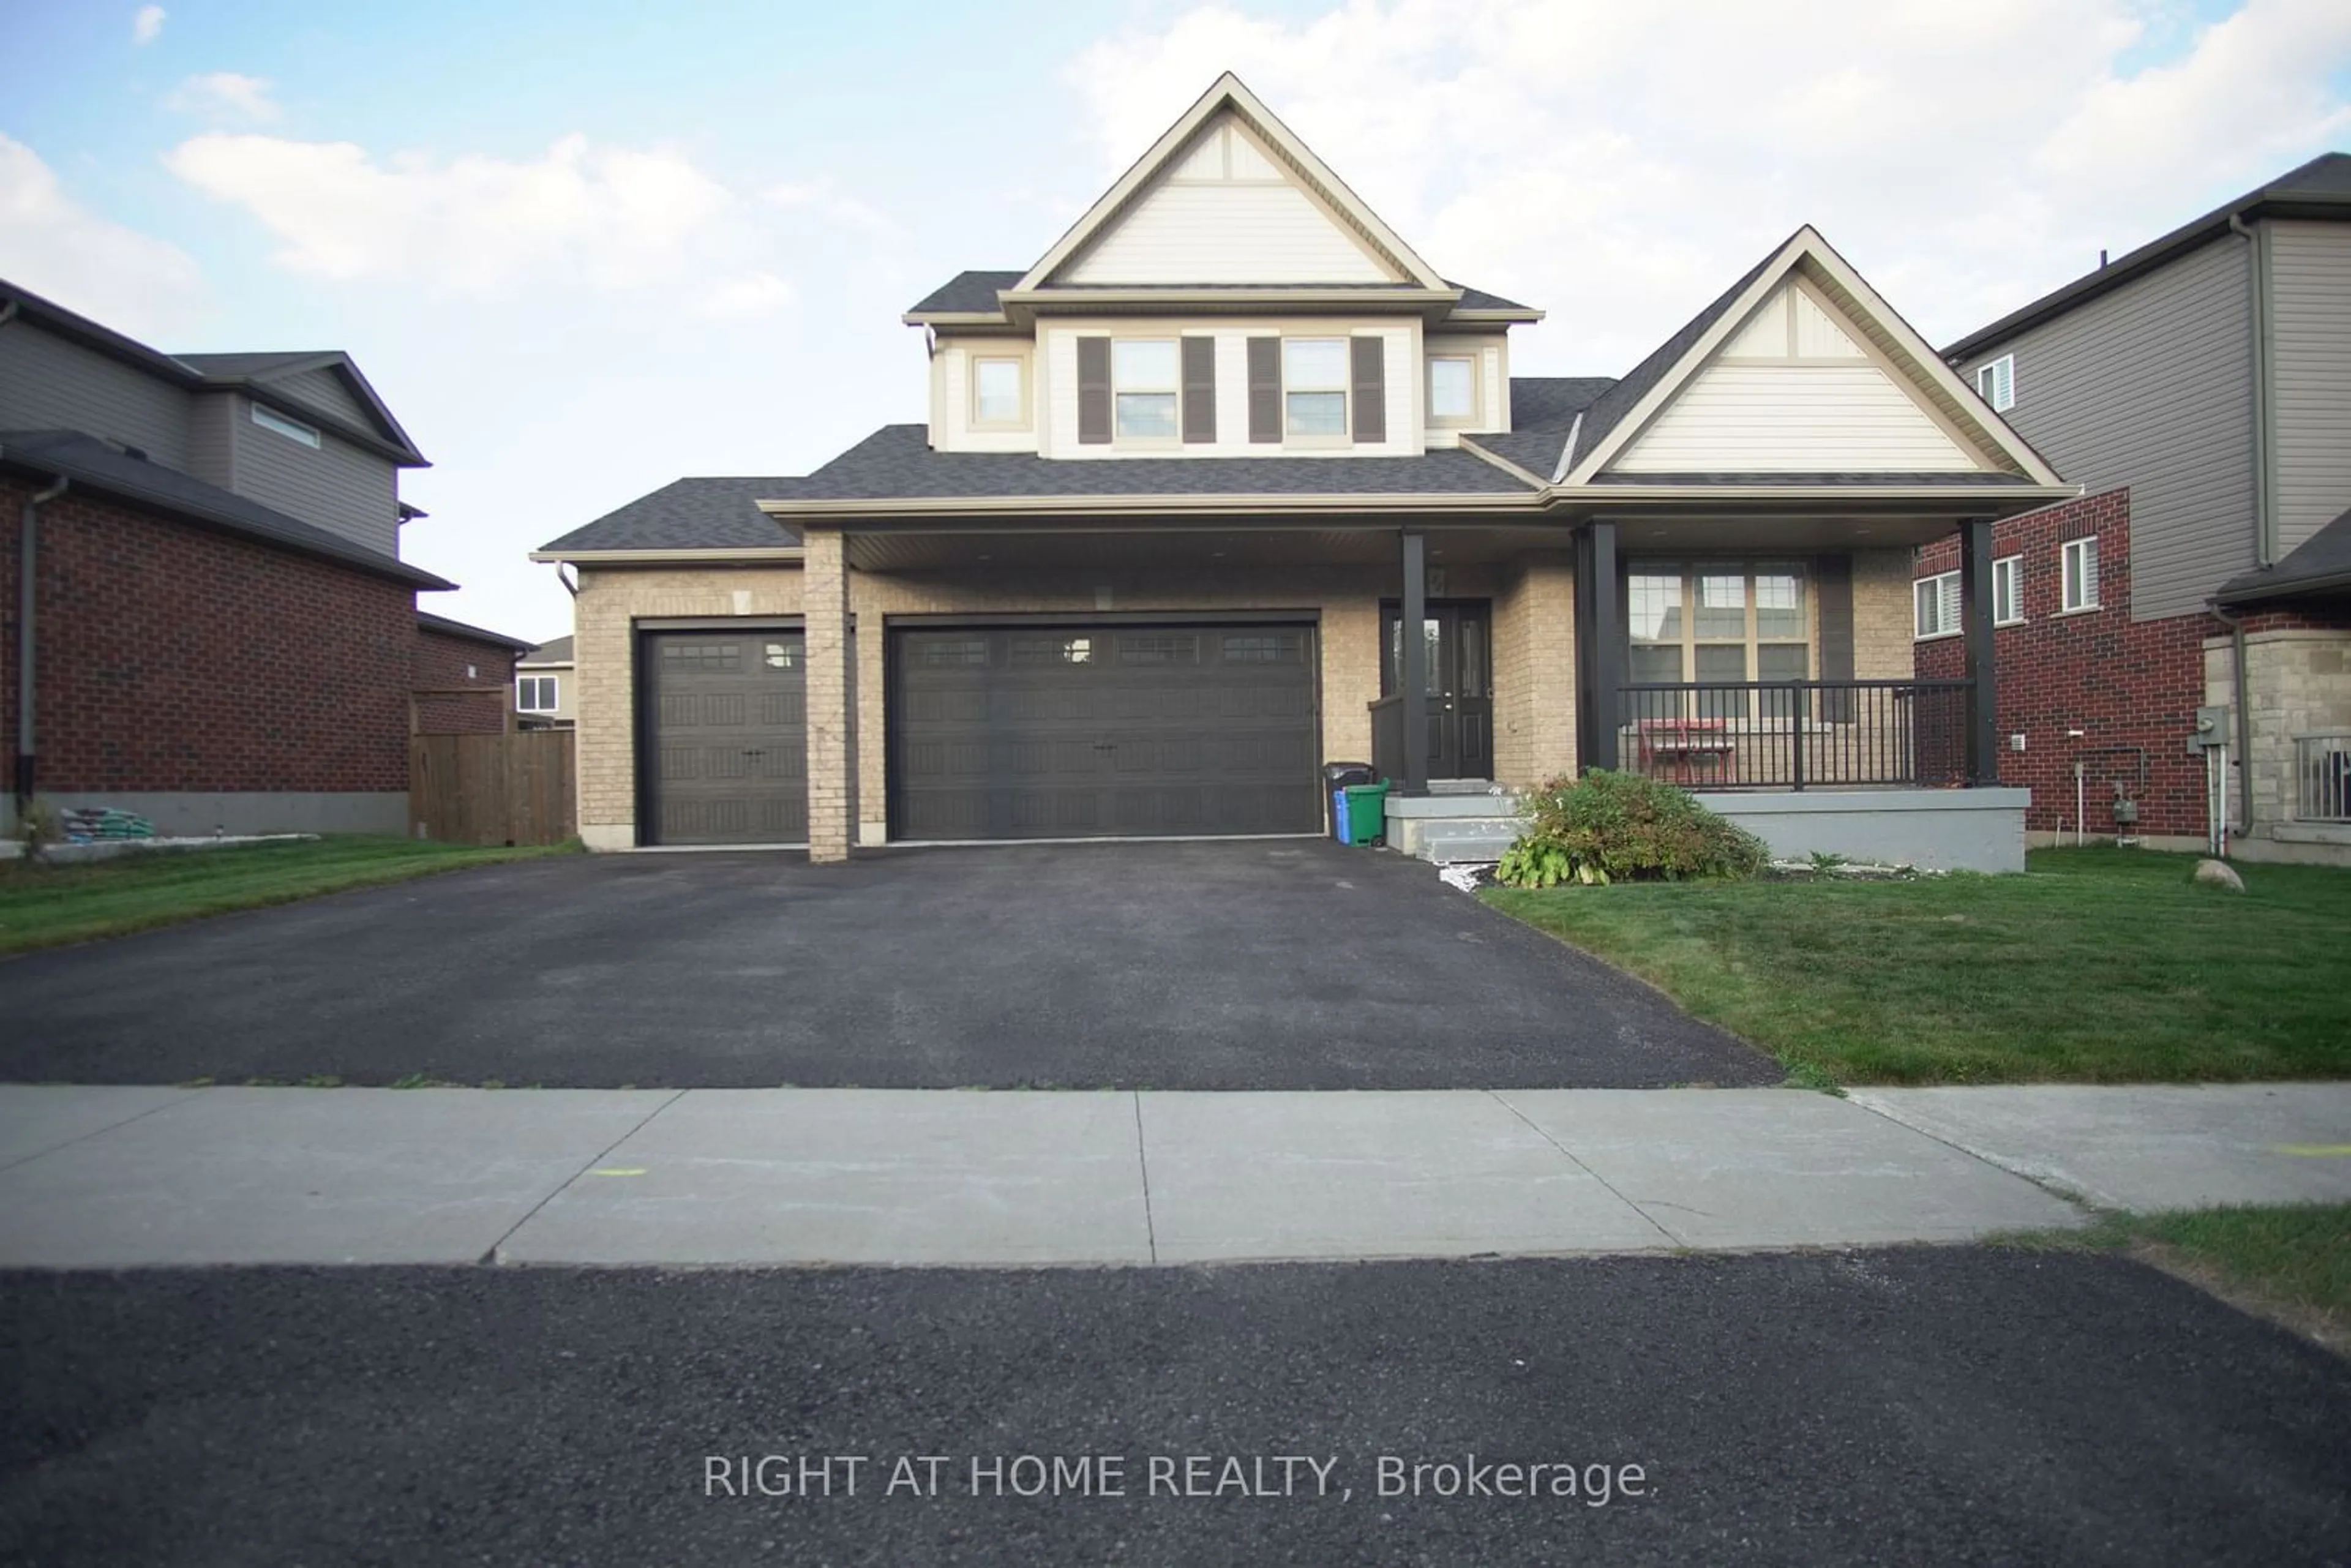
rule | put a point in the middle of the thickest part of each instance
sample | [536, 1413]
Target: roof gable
[1803, 367]
[1280, 215]
[318, 382]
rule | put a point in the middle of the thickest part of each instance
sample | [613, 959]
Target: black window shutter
[1093, 391]
[1832, 580]
[1370, 357]
[1199, 388]
[1265, 389]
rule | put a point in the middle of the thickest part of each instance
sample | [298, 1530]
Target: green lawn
[2094, 965]
[44, 906]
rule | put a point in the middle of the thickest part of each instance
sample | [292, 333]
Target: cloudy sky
[583, 250]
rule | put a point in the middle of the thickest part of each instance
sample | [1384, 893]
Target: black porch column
[1599, 667]
[1412, 668]
[1975, 619]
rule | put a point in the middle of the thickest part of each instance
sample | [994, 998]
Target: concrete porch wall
[1939, 829]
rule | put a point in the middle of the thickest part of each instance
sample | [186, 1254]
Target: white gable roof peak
[1231, 95]
[1856, 323]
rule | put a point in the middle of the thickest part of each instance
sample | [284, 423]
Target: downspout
[27, 559]
[2236, 625]
[570, 585]
[2264, 413]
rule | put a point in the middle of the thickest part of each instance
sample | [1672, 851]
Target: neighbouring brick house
[452, 657]
[222, 634]
[2199, 387]
[1186, 481]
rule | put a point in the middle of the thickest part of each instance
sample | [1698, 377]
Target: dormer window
[1143, 381]
[997, 397]
[1314, 386]
[1452, 389]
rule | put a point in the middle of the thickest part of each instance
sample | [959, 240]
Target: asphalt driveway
[1263, 964]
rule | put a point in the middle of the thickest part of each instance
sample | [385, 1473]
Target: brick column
[831, 698]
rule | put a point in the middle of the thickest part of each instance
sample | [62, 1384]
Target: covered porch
[1758, 654]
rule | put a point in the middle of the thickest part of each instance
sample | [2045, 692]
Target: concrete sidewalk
[97, 1177]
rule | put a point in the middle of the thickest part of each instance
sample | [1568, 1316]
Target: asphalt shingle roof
[897, 461]
[2321, 187]
[692, 514]
[555, 651]
[1610, 407]
[87, 461]
[2320, 564]
[472, 633]
[977, 291]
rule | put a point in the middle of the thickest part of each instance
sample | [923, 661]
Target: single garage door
[728, 736]
[1094, 731]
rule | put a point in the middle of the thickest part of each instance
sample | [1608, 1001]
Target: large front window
[1144, 377]
[1726, 623]
[1314, 385]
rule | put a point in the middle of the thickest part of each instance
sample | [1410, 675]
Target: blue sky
[583, 250]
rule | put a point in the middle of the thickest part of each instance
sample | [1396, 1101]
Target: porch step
[1445, 805]
[1452, 849]
[1444, 840]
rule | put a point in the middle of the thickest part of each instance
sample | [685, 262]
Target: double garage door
[1099, 730]
[1085, 730]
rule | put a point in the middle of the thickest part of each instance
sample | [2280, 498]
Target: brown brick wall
[172, 657]
[442, 663]
[2124, 684]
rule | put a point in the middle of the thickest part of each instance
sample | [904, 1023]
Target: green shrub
[1618, 826]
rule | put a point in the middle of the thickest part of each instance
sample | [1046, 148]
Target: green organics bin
[1367, 812]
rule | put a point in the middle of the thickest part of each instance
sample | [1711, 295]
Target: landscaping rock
[2218, 873]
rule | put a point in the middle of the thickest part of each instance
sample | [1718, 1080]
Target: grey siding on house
[324, 390]
[2310, 283]
[211, 437]
[2150, 386]
[337, 486]
[47, 383]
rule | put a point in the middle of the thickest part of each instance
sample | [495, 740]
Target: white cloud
[55, 246]
[605, 217]
[823, 197]
[147, 24]
[1620, 164]
[223, 95]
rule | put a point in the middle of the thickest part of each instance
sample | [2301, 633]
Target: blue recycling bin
[1336, 778]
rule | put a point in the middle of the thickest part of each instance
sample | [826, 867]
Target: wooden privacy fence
[498, 788]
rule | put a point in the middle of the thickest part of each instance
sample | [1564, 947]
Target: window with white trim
[535, 694]
[2079, 562]
[1143, 379]
[1934, 606]
[1996, 382]
[996, 394]
[1452, 389]
[291, 429]
[2008, 590]
[1718, 621]
[1314, 386]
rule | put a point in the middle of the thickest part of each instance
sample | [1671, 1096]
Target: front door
[1460, 683]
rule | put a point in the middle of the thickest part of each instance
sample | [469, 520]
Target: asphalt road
[1922, 1405]
[1266, 965]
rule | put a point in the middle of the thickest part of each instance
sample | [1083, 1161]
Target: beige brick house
[1184, 480]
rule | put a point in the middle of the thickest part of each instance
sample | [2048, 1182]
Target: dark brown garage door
[728, 714]
[1085, 731]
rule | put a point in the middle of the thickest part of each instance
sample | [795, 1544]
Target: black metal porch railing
[1388, 736]
[1795, 735]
